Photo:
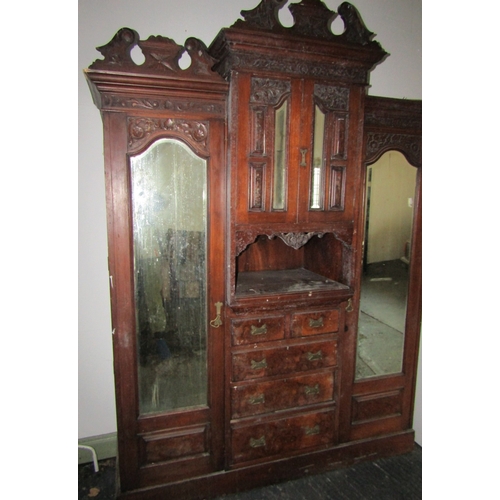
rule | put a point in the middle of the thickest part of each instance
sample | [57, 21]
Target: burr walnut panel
[288, 359]
[294, 392]
[281, 436]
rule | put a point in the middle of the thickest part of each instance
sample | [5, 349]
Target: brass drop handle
[257, 400]
[258, 365]
[312, 390]
[258, 330]
[303, 152]
[316, 323]
[217, 321]
[311, 431]
[314, 356]
[258, 443]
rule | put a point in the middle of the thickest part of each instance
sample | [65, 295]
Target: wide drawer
[282, 436]
[315, 323]
[284, 360]
[263, 397]
[248, 331]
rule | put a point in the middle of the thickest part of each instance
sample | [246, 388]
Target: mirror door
[390, 194]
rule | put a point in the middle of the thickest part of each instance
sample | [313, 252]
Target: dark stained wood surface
[282, 398]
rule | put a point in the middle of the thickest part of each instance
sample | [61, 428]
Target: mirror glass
[169, 211]
[280, 142]
[390, 191]
[316, 201]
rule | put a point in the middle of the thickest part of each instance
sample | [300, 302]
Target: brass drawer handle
[258, 443]
[311, 431]
[316, 323]
[314, 356]
[258, 365]
[312, 391]
[258, 330]
[257, 400]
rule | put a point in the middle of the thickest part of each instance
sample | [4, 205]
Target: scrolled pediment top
[311, 18]
[161, 57]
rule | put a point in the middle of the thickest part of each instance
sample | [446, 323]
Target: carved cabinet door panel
[292, 154]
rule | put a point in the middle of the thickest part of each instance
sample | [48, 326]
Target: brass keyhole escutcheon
[303, 162]
[217, 321]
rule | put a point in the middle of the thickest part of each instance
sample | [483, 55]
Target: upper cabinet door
[292, 150]
[267, 131]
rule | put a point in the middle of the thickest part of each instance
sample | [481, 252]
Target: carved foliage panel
[143, 130]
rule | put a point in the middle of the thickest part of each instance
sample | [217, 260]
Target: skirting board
[105, 447]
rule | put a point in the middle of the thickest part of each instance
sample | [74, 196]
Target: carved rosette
[409, 145]
[140, 131]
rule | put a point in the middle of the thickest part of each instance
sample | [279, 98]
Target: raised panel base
[231, 481]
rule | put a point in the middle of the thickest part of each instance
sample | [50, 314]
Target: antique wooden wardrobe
[235, 201]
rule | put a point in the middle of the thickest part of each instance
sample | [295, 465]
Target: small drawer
[283, 435]
[254, 399]
[315, 323]
[163, 446]
[249, 331]
[284, 360]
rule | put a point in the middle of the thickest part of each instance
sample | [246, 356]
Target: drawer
[315, 323]
[257, 398]
[163, 446]
[283, 435]
[249, 331]
[283, 360]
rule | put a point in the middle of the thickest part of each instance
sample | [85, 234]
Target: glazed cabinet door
[292, 139]
[167, 233]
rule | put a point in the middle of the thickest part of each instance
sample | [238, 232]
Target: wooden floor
[394, 478]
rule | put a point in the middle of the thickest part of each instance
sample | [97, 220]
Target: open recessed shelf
[270, 266]
[255, 283]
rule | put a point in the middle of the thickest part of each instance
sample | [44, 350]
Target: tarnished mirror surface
[280, 147]
[317, 174]
[390, 190]
[169, 211]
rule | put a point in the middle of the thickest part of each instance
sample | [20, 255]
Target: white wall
[397, 25]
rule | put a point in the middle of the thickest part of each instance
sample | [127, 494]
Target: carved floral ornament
[140, 131]
[293, 240]
[409, 145]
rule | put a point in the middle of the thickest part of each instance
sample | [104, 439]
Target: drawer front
[282, 436]
[249, 331]
[284, 360]
[315, 323]
[164, 446]
[264, 397]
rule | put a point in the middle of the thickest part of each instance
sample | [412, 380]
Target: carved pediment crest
[312, 18]
[161, 56]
